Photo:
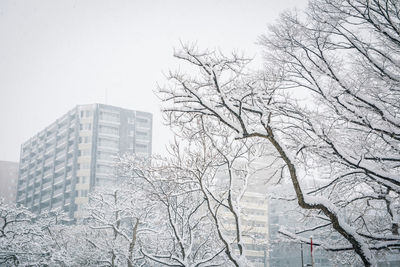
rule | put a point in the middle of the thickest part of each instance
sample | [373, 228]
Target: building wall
[63, 163]
[8, 181]
[253, 215]
[255, 222]
[285, 253]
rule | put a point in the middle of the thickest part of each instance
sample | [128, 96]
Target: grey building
[285, 253]
[8, 181]
[66, 160]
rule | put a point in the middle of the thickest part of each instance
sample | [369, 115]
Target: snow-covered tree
[328, 102]
[27, 238]
[183, 234]
[200, 188]
[116, 216]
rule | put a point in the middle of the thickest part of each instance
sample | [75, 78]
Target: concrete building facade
[61, 164]
[8, 181]
[253, 214]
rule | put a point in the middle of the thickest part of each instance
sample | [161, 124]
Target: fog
[55, 55]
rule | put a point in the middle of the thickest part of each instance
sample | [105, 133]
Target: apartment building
[8, 181]
[287, 214]
[253, 213]
[255, 227]
[61, 164]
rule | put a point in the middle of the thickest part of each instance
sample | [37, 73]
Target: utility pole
[302, 258]
[312, 258]
[105, 96]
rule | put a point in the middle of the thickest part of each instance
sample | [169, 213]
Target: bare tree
[27, 238]
[116, 216]
[328, 102]
[200, 188]
[184, 232]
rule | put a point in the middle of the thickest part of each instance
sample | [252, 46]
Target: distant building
[282, 252]
[255, 226]
[8, 181]
[253, 216]
[62, 163]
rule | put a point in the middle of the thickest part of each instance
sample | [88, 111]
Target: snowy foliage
[199, 189]
[328, 101]
[28, 239]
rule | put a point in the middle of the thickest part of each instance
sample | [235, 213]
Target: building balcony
[50, 137]
[109, 135]
[46, 198]
[61, 146]
[25, 165]
[58, 192]
[58, 180]
[47, 174]
[30, 187]
[106, 147]
[49, 147]
[145, 128]
[22, 187]
[39, 162]
[109, 121]
[70, 162]
[23, 176]
[60, 156]
[48, 161]
[62, 131]
[29, 200]
[59, 167]
[67, 205]
[46, 186]
[21, 198]
[57, 204]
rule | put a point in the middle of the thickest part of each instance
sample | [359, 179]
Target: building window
[81, 179]
[84, 193]
[84, 166]
[86, 126]
[142, 135]
[86, 152]
[108, 130]
[107, 116]
[102, 155]
[85, 113]
[141, 148]
[142, 121]
[131, 144]
[104, 169]
[111, 143]
[85, 139]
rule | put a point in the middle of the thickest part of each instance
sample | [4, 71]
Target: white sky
[55, 54]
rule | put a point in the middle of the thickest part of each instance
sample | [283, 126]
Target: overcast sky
[57, 54]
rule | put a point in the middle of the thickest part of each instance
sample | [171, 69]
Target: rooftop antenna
[105, 96]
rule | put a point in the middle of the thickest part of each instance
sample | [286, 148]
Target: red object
[311, 245]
